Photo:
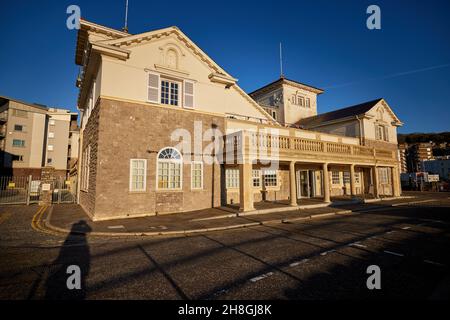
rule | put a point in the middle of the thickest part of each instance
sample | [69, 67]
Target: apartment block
[417, 153]
[33, 136]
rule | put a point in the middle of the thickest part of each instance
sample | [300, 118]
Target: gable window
[169, 169]
[232, 178]
[169, 92]
[335, 177]
[381, 132]
[138, 169]
[197, 175]
[256, 178]
[18, 143]
[270, 178]
[274, 114]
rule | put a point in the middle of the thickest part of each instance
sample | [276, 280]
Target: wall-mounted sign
[11, 185]
[45, 186]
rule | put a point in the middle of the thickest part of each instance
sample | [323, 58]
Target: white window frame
[131, 187]
[22, 143]
[256, 176]
[50, 147]
[180, 91]
[265, 174]
[51, 122]
[175, 161]
[193, 163]
[86, 159]
[232, 178]
[383, 174]
[333, 177]
[51, 134]
[346, 177]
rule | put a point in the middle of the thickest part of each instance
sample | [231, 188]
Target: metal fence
[64, 191]
[27, 190]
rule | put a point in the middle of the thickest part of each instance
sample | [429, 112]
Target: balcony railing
[289, 145]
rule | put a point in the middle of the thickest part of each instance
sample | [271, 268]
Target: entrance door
[303, 184]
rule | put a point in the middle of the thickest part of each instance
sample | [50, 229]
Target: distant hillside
[424, 137]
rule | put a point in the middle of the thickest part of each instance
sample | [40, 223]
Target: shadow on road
[75, 251]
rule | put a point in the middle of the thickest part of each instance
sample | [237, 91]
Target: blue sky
[325, 44]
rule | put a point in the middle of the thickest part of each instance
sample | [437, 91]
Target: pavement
[310, 259]
[67, 218]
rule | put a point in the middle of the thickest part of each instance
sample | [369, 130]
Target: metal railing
[27, 190]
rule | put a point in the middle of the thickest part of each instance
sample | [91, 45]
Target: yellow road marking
[36, 222]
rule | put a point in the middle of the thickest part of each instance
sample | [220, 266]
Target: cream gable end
[170, 54]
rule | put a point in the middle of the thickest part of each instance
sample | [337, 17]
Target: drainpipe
[361, 133]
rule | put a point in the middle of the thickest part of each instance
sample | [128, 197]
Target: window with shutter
[153, 87]
[188, 94]
[386, 134]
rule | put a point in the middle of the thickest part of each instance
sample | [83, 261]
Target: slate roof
[338, 114]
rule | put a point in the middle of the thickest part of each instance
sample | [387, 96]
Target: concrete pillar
[245, 187]
[352, 180]
[292, 186]
[376, 191]
[326, 183]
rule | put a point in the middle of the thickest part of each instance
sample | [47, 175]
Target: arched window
[169, 168]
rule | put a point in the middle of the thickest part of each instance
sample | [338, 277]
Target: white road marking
[388, 232]
[394, 253]
[434, 263]
[406, 228]
[327, 252]
[357, 244]
[116, 227]
[294, 264]
[263, 276]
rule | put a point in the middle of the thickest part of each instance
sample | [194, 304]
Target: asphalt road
[317, 259]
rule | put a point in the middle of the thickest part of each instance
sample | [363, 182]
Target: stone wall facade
[119, 131]
[91, 141]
